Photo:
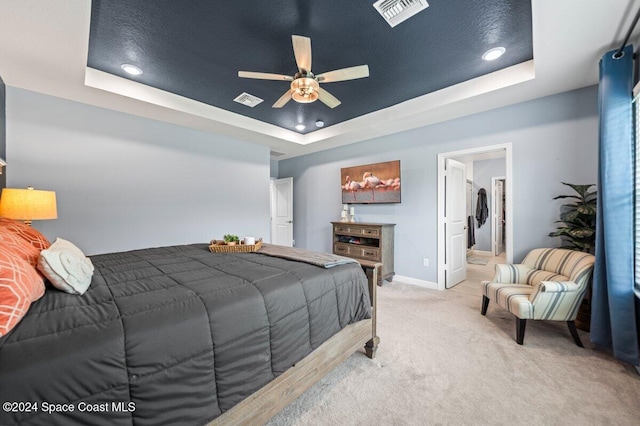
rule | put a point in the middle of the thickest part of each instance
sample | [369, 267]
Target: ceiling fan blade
[302, 52]
[264, 76]
[327, 98]
[360, 71]
[283, 100]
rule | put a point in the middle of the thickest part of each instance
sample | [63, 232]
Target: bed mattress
[171, 335]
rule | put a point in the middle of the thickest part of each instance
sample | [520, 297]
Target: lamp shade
[28, 204]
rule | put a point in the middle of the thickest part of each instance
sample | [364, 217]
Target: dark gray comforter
[173, 335]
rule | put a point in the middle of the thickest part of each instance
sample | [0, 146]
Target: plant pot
[231, 243]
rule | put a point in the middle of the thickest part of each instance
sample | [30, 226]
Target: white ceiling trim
[132, 89]
[424, 104]
[477, 86]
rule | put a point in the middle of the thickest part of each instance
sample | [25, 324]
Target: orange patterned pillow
[27, 233]
[20, 285]
[20, 247]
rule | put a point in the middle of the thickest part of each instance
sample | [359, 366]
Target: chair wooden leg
[521, 324]
[485, 305]
[574, 333]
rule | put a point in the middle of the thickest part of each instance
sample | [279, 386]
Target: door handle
[290, 221]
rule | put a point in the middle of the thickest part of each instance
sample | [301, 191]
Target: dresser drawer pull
[370, 231]
[369, 253]
[341, 249]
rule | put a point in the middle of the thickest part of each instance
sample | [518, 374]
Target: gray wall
[483, 171]
[125, 182]
[274, 168]
[554, 139]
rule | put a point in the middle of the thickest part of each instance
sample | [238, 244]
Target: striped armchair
[548, 285]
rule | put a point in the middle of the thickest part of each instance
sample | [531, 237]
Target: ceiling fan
[305, 85]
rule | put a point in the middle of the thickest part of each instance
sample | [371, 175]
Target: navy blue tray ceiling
[196, 48]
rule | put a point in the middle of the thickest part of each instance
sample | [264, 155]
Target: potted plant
[231, 239]
[579, 233]
[579, 219]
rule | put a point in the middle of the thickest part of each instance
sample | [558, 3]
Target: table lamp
[28, 204]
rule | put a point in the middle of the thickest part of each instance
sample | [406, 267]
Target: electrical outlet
[425, 261]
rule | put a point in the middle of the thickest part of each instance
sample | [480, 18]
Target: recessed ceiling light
[493, 54]
[319, 123]
[131, 69]
[300, 127]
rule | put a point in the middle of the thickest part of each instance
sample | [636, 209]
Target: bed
[180, 335]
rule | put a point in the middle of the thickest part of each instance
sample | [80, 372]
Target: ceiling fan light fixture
[494, 53]
[304, 90]
[131, 69]
[305, 87]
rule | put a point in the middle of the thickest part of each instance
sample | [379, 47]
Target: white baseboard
[415, 281]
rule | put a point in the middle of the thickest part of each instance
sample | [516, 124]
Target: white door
[282, 212]
[498, 217]
[455, 222]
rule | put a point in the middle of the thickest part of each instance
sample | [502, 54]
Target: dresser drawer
[349, 250]
[370, 232]
[370, 253]
[342, 229]
[357, 230]
[341, 249]
[352, 250]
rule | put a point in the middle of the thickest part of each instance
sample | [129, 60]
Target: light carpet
[441, 363]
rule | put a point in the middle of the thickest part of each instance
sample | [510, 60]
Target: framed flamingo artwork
[371, 183]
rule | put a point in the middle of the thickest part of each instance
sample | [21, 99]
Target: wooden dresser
[369, 243]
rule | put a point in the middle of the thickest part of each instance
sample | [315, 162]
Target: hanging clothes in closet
[482, 210]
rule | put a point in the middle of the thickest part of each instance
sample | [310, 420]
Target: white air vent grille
[248, 100]
[396, 11]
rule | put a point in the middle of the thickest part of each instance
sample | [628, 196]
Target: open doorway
[486, 233]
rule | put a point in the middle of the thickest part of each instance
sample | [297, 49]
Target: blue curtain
[613, 315]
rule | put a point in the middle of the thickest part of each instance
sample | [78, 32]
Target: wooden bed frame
[265, 403]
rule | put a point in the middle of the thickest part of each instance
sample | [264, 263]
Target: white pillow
[66, 266]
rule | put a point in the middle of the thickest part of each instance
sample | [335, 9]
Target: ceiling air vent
[396, 11]
[248, 100]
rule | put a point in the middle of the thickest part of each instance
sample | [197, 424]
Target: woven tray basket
[238, 248]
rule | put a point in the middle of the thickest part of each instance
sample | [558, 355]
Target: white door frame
[494, 180]
[441, 205]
